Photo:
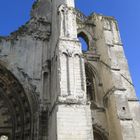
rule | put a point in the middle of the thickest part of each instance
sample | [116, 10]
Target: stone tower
[52, 90]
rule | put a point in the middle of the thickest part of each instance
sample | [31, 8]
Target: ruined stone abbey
[52, 90]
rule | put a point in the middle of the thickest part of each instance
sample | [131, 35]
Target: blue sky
[14, 13]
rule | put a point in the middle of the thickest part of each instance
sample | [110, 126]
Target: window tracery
[90, 84]
[90, 88]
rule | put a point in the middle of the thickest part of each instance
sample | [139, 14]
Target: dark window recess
[123, 108]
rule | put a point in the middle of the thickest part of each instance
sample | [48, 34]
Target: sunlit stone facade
[52, 90]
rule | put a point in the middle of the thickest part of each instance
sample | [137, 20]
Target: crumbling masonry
[51, 90]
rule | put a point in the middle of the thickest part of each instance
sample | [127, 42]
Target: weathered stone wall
[46, 57]
[116, 101]
[25, 52]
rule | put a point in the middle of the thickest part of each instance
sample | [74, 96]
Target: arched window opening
[84, 41]
[90, 84]
[84, 44]
[90, 87]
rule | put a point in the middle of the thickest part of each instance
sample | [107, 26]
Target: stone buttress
[70, 117]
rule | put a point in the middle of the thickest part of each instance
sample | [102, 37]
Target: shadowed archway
[98, 136]
[15, 109]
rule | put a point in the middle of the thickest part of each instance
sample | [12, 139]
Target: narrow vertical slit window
[46, 87]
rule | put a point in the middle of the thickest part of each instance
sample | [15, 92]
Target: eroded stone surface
[72, 95]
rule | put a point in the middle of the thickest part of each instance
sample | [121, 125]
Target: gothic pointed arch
[82, 35]
[92, 82]
[16, 118]
[86, 35]
[94, 72]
